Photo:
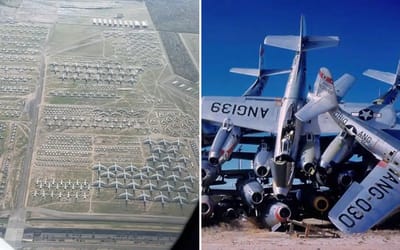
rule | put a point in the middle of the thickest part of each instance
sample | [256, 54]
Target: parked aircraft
[293, 147]
[366, 204]
[288, 129]
[162, 198]
[226, 138]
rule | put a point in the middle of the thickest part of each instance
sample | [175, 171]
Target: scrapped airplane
[363, 205]
[235, 112]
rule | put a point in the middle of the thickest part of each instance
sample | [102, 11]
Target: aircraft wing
[365, 205]
[378, 116]
[257, 113]
[261, 114]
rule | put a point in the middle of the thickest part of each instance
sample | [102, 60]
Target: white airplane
[238, 111]
[108, 174]
[180, 168]
[147, 168]
[99, 167]
[162, 198]
[173, 177]
[115, 168]
[153, 158]
[116, 184]
[368, 203]
[163, 167]
[157, 176]
[168, 158]
[99, 184]
[150, 186]
[125, 195]
[144, 196]
[256, 113]
[190, 178]
[131, 168]
[185, 188]
[140, 176]
[180, 199]
[168, 187]
[124, 174]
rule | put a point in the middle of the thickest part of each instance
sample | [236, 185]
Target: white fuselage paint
[384, 146]
[289, 128]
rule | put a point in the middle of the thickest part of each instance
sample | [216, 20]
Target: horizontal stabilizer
[387, 77]
[256, 72]
[297, 44]
[382, 76]
[369, 203]
[319, 42]
[343, 84]
[284, 42]
[245, 71]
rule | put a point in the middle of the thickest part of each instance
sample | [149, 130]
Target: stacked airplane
[298, 142]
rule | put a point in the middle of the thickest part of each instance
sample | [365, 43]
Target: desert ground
[242, 234]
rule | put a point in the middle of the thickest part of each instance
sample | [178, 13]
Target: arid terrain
[245, 235]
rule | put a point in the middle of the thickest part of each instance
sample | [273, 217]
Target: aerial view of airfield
[98, 122]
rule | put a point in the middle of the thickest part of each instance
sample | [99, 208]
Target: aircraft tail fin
[322, 100]
[262, 75]
[260, 72]
[383, 76]
[343, 84]
[389, 78]
[368, 200]
[301, 42]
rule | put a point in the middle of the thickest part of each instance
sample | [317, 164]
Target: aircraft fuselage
[379, 143]
[289, 128]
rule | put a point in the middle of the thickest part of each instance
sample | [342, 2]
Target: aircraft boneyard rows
[301, 169]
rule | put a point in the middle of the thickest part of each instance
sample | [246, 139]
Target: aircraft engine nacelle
[262, 161]
[310, 154]
[346, 178]
[207, 206]
[224, 143]
[337, 150]
[314, 200]
[208, 173]
[252, 192]
[277, 213]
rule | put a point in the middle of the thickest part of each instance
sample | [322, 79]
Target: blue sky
[233, 29]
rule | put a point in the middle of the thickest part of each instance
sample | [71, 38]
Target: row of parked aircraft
[344, 156]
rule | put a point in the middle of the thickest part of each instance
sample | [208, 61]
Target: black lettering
[391, 177]
[346, 220]
[225, 108]
[252, 111]
[364, 205]
[374, 191]
[264, 112]
[215, 107]
[241, 110]
[384, 186]
[234, 109]
[356, 213]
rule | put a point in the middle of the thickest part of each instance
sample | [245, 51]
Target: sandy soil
[245, 235]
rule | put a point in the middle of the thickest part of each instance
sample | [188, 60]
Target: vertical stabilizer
[323, 99]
